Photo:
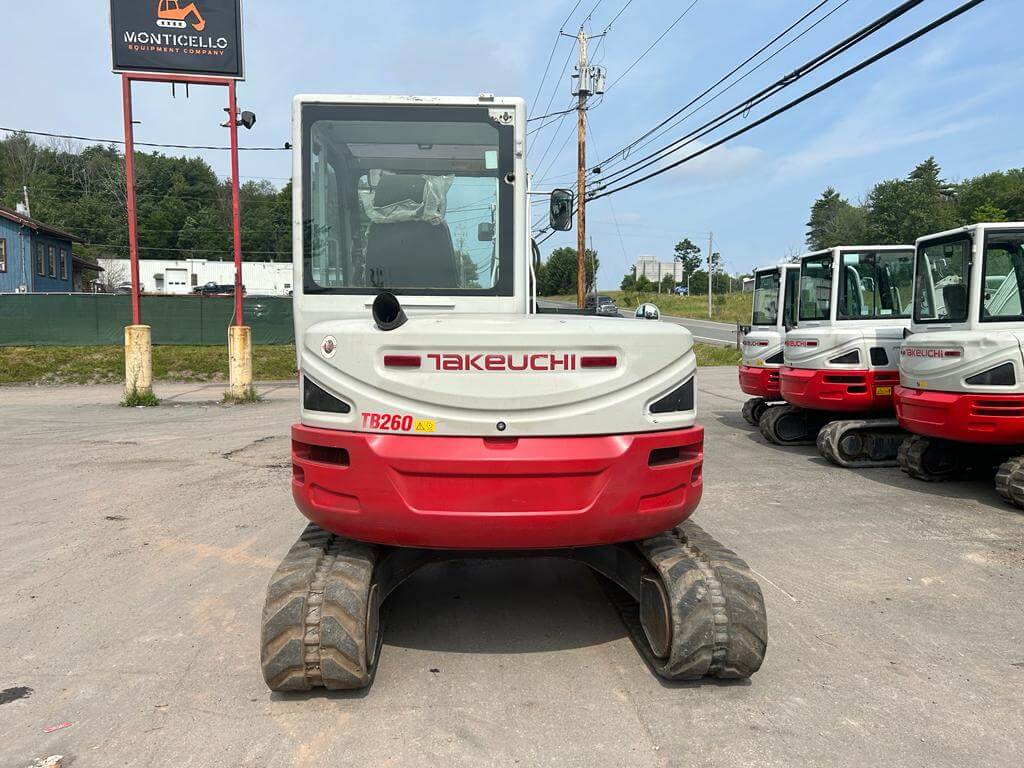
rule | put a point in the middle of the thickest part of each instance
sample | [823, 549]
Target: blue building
[35, 257]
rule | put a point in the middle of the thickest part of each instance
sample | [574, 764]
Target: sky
[955, 94]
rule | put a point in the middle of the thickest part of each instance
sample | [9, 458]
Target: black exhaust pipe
[387, 312]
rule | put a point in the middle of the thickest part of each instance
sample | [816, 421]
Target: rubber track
[314, 618]
[753, 409]
[833, 432]
[911, 459]
[719, 626]
[1010, 480]
[773, 416]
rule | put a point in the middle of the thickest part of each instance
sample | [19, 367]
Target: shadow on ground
[523, 605]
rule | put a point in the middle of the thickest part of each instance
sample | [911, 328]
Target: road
[704, 331]
[137, 545]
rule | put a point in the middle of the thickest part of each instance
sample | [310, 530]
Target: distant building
[748, 285]
[181, 276]
[36, 257]
[655, 270]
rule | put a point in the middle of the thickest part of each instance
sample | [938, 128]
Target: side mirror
[485, 232]
[648, 312]
[562, 204]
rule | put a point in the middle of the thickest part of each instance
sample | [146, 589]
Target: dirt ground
[135, 547]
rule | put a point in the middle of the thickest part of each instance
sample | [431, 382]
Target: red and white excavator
[442, 416]
[776, 290]
[961, 368]
[841, 362]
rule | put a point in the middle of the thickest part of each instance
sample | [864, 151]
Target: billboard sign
[178, 37]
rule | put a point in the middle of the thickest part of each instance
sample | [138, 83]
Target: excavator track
[321, 616]
[753, 409]
[790, 425]
[700, 614]
[1010, 480]
[929, 459]
[861, 443]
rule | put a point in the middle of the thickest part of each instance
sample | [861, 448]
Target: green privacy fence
[87, 319]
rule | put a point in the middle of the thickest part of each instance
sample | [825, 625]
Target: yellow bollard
[138, 365]
[240, 362]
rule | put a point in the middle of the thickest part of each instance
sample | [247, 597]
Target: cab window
[1003, 275]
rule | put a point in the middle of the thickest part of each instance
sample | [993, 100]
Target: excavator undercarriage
[692, 607]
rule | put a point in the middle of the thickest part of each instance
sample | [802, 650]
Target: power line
[611, 206]
[552, 115]
[140, 143]
[810, 94]
[743, 107]
[616, 16]
[725, 77]
[651, 46]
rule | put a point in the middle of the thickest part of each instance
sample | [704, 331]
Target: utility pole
[581, 168]
[711, 240]
[589, 81]
[28, 210]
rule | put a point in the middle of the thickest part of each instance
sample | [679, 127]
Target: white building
[180, 276]
[655, 271]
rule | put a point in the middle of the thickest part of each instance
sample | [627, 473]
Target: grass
[105, 365]
[726, 307]
[708, 354]
[137, 399]
[249, 396]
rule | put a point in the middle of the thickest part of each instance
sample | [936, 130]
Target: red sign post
[129, 160]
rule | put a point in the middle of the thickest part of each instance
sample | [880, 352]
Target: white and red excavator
[443, 416]
[841, 361]
[961, 387]
[776, 290]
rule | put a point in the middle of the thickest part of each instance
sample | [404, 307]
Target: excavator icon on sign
[172, 13]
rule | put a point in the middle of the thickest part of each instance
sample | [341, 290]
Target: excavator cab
[774, 313]
[840, 363]
[961, 389]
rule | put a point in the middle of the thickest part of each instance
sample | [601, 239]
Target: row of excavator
[896, 355]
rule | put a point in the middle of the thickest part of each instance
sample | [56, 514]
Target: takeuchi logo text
[929, 352]
[539, 361]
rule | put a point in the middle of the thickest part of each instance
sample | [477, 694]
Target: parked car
[680, 290]
[125, 286]
[605, 305]
[216, 289]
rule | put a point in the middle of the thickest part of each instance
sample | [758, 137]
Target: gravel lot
[135, 547]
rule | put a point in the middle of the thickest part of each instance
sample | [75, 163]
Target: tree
[902, 210]
[987, 211]
[1001, 189]
[114, 273]
[643, 285]
[835, 221]
[687, 254]
[558, 276]
[699, 282]
[668, 283]
[629, 280]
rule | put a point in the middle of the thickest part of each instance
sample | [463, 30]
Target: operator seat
[410, 253]
[955, 299]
